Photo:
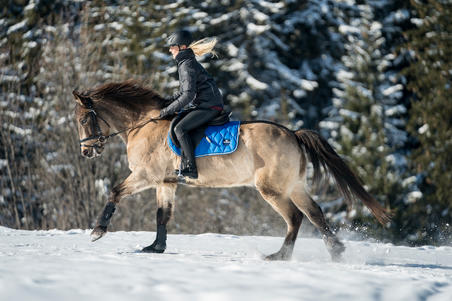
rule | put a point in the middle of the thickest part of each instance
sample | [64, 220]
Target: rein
[99, 137]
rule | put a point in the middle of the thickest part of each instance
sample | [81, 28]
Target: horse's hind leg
[310, 208]
[291, 215]
[165, 201]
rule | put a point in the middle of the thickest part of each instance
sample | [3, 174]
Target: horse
[270, 157]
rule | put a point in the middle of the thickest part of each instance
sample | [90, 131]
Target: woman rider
[198, 99]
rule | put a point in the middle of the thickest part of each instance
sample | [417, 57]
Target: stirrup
[189, 170]
[192, 173]
[182, 166]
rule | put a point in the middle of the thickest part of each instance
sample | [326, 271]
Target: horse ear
[82, 100]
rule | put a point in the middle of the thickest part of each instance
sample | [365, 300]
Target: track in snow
[65, 265]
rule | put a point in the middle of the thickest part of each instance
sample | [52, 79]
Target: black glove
[164, 113]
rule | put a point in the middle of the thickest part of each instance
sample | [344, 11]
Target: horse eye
[84, 121]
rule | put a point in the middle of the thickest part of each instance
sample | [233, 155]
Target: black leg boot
[191, 171]
[187, 147]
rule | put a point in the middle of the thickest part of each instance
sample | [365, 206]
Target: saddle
[216, 137]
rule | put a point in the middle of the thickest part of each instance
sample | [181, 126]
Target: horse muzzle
[87, 152]
[92, 151]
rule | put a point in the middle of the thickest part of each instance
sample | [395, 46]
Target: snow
[397, 16]
[222, 18]
[298, 93]
[329, 125]
[253, 29]
[409, 181]
[234, 66]
[99, 27]
[232, 50]
[3, 163]
[18, 130]
[392, 90]
[31, 44]
[273, 7]
[65, 265]
[21, 26]
[416, 21]
[255, 84]
[395, 110]
[9, 78]
[309, 85]
[349, 114]
[259, 16]
[423, 129]
[116, 26]
[397, 160]
[30, 6]
[412, 197]
[344, 75]
[344, 29]
[291, 75]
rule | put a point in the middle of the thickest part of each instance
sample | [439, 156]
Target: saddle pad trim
[178, 152]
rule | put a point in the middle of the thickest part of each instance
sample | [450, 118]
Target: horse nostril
[85, 152]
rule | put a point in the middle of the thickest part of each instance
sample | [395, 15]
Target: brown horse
[269, 157]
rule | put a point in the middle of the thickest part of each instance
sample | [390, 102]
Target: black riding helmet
[182, 37]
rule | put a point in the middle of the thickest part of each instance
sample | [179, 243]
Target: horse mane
[129, 93]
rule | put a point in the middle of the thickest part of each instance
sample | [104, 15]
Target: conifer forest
[373, 77]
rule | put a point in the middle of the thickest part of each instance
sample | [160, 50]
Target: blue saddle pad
[217, 140]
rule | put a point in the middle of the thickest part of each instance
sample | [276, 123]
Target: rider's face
[175, 50]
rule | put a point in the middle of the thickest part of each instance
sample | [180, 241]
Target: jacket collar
[184, 55]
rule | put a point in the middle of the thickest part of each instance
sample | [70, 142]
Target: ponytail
[204, 46]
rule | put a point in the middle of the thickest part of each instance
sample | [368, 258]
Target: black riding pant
[189, 122]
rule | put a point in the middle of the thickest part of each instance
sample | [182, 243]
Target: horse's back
[275, 146]
[264, 150]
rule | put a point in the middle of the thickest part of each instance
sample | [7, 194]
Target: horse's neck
[120, 118]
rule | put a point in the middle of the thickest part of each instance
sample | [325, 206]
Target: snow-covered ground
[66, 265]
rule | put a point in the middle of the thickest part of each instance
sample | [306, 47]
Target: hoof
[278, 256]
[98, 232]
[334, 247]
[154, 248]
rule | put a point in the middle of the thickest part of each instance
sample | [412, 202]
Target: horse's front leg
[129, 186]
[165, 203]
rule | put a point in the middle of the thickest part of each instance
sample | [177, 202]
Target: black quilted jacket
[197, 88]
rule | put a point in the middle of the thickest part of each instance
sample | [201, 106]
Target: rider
[198, 100]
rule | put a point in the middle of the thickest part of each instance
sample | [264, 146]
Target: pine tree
[429, 78]
[368, 121]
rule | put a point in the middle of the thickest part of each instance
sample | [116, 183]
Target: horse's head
[92, 132]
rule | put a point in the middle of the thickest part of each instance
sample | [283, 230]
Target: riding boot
[190, 169]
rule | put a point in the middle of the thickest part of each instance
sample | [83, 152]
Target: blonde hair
[204, 46]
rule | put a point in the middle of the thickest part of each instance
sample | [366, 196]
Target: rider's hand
[164, 113]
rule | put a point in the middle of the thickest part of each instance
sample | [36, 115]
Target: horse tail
[321, 153]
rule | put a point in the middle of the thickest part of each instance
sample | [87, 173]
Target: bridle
[97, 131]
